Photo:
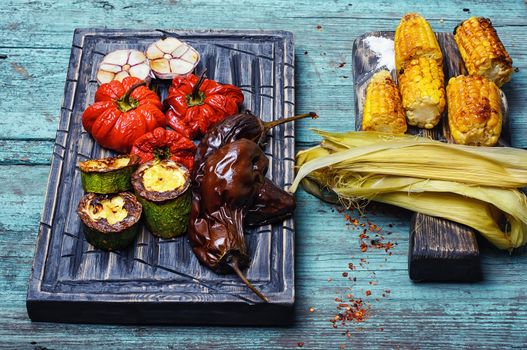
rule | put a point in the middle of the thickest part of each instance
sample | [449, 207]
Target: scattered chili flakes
[354, 310]
[319, 27]
[342, 64]
[300, 344]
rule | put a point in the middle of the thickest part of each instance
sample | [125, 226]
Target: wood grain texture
[488, 315]
[158, 280]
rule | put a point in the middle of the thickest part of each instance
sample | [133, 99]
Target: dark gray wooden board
[437, 247]
[156, 280]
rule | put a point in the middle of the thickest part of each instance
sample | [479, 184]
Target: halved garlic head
[120, 64]
[171, 57]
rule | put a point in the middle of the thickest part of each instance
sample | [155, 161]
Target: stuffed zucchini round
[162, 187]
[110, 220]
[108, 175]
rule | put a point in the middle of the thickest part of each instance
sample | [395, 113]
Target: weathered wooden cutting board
[439, 250]
[156, 280]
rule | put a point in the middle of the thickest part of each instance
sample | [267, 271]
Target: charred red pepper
[195, 104]
[165, 144]
[123, 112]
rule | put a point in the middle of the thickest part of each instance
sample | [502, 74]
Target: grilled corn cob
[414, 38]
[383, 110]
[474, 110]
[482, 50]
[422, 91]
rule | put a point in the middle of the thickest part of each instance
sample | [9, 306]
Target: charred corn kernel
[423, 95]
[414, 38]
[383, 110]
[482, 50]
[474, 110]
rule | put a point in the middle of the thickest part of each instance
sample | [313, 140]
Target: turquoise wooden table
[35, 46]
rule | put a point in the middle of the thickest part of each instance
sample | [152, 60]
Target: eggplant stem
[234, 265]
[270, 125]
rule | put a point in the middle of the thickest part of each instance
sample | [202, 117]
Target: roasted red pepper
[123, 112]
[194, 104]
[165, 144]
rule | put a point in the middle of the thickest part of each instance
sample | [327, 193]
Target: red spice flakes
[319, 27]
[300, 344]
[371, 236]
[355, 311]
[342, 346]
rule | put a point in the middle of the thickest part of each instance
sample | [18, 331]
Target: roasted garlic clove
[120, 64]
[171, 57]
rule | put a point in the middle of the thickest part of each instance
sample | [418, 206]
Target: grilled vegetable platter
[168, 200]
[432, 137]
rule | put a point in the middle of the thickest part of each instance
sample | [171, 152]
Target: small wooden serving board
[439, 250]
[156, 280]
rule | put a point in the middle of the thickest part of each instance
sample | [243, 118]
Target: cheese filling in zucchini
[110, 221]
[108, 175]
[110, 209]
[162, 187]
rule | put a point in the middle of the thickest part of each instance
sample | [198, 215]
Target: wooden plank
[55, 30]
[490, 314]
[28, 152]
[151, 282]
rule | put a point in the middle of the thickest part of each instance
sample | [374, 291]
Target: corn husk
[475, 186]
